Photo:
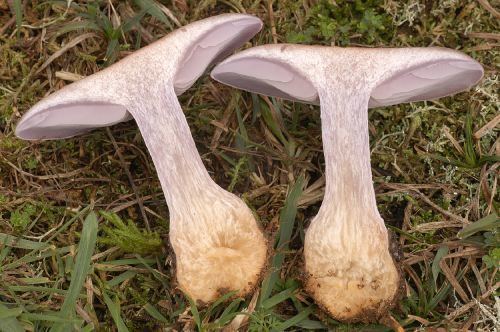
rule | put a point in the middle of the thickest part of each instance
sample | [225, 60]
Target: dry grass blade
[487, 127]
[484, 35]
[64, 49]
[461, 310]
[67, 76]
[453, 281]
[45, 177]
[242, 319]
[440, 209]
[489, 8]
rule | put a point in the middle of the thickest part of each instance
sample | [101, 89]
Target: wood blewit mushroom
[351, 272]
[217, 242]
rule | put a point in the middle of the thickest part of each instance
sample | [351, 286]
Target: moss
[343, 22]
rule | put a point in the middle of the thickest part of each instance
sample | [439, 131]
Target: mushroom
[216, 239]
[349, 267]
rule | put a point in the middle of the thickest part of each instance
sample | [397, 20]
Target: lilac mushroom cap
[103, 99]
[216, 239]
[351, 272]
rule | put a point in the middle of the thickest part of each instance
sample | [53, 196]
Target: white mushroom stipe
[351, 272]
[218, 244]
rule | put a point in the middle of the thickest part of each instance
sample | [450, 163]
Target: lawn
[84, 224]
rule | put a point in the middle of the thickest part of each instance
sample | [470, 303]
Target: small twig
[131, 180]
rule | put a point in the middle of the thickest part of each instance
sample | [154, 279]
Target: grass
[434, 168]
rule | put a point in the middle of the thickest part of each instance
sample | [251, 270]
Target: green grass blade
[82, 266]
[487, 223]
[52, 317]
[272, 123]
[287, 221]
[154, 272]
[114, 310]
[308, 324]
[220, 300]
[88, 328]
[35, 256]
[133, 21]
[488, 159]
[287, 215]
[112, 51]
[256, 107]
[8, 321]
[15, 242]
[153, 312]
[229, 312]
[121, 278]
[195, 312]
[470, 153]
[61, 229]
[18, 12]
[83, 25]
[442, 251]
[294, 320]
[278, 298]
[152, 8]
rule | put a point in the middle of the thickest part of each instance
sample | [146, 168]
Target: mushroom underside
[211, 47]
[426, 82]
[69, 120]
[272, 77]
[266, 76]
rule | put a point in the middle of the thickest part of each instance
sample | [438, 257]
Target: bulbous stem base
[219, 249]
[350, 270]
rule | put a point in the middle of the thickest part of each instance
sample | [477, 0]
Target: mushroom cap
[108, 97]
[390, 75]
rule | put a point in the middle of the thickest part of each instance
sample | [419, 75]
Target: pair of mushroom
[216, 239]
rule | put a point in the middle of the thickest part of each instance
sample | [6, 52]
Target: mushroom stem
[360, 278]
[350, 270]
[168, 138]
[344, 122]
[217, 241]
[213, 233]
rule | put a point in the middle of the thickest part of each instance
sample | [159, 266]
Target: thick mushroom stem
[217, 243]
[350, 271]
